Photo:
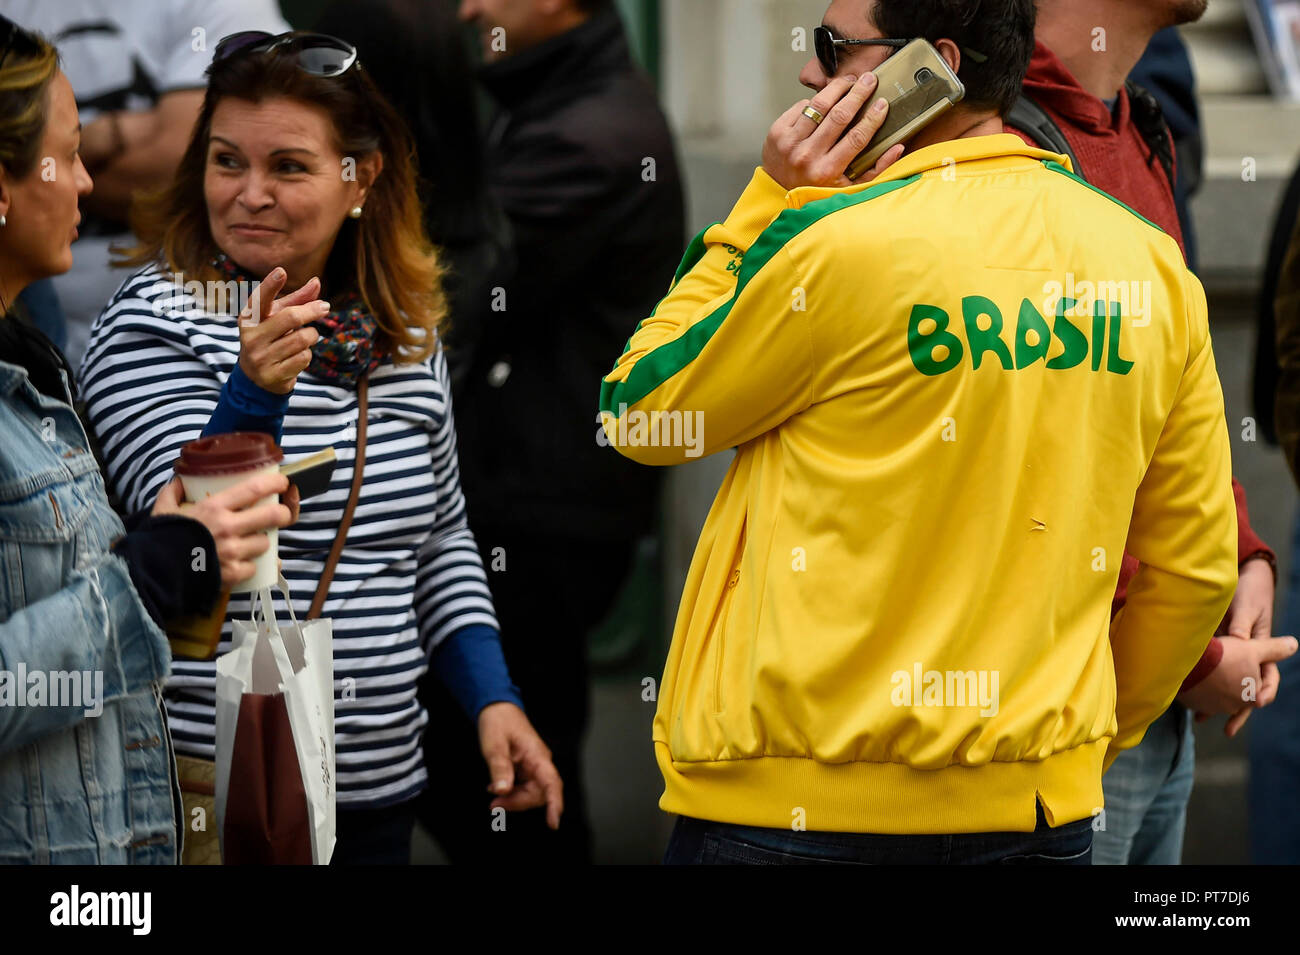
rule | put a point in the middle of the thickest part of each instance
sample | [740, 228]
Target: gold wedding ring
[814, 114]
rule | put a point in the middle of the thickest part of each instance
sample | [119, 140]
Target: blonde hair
[24, 102]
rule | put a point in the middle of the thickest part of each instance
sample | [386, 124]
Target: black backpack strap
[1028, 117]
[1149, 118]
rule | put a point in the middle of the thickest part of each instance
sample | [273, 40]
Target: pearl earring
[3, 222]
[356, 212]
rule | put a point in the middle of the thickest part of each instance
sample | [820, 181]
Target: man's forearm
[141, 153]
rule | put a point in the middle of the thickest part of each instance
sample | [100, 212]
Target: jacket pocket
[720, 638]
[722, 622]
[38, 524]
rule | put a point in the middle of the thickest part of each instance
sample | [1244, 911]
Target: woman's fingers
[169, 499]
[251, 521]
[236, 571]
[258, 308]
[244, 548]
[290, 368]
[306, 293]
[288, 345]
[269, 354]
[249, 491]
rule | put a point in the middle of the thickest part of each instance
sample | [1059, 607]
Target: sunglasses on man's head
[14, 38]
[316, 53]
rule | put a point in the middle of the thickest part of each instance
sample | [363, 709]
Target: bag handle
[358, 470]
[281, 655]
[268, 601]
[264, 601]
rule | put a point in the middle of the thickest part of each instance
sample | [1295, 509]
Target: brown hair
[385, 255]
[29, 66]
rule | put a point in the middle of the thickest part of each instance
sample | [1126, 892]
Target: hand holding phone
[801, 150]
[920, 87]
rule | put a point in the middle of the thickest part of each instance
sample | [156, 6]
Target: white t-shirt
[126, 55]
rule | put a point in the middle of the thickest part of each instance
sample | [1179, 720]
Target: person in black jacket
[581, 159]
[415, 52]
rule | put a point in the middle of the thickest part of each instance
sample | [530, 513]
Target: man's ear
[6, 193]
[950, 52]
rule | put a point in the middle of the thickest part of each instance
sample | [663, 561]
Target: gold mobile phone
[920, 87]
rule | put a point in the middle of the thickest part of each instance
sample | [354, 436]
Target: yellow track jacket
[955, 394]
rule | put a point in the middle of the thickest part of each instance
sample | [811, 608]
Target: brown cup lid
[228, 454]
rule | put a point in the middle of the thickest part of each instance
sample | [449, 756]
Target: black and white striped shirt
[410, 574]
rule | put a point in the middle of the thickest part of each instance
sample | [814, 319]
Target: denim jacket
[76, 786]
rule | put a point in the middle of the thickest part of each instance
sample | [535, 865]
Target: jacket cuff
[1249, 544]
[762, 201]
[1205, 665]
[162, 556]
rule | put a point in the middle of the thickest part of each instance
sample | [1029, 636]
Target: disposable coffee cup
[210, 465]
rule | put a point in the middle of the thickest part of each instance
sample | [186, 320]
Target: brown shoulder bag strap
[358, 470]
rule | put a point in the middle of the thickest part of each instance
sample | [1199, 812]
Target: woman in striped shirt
[299, 170]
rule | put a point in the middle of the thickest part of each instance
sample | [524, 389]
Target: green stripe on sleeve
[668, 359]
[694, 252]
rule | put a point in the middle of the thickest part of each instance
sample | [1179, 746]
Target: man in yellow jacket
[956, 392]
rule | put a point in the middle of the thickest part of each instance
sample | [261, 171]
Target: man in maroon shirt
[1085, 51]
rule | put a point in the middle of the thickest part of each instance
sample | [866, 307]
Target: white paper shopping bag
[275, 794]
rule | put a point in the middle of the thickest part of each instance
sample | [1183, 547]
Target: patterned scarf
[348, 347]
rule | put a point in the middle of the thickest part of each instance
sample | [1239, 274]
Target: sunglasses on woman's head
[316, 53]
[15, 38]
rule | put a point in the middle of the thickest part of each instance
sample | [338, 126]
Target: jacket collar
[1050, 83]
[581, 56]
[11, 377]
[941, 155]
[15, 380]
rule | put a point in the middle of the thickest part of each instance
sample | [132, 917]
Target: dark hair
[593, 6]
[1002, 31]
[385, 254]
[416, 54]
[29, 66]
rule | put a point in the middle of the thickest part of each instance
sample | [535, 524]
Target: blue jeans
[697, 842]
[1146, 791]
[1274, 733]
